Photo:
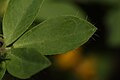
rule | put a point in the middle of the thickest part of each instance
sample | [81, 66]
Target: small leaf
[25, 62]
[19, 16]
[52, 9]
[2, 69]
[57, 35]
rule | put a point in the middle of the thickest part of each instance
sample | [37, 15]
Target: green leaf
[25, 62]
[61, 0]
[106, 2]
[2, 69]
[104, 67]
[52, 9]
[3, 6]
[19, 16]
[57, 35]
[0, 25]
[113, 25]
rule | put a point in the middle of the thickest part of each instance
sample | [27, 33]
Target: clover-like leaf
[57, 35]
[19, 16]
[2, 69]
[25, 62]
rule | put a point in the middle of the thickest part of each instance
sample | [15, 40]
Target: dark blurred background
[99, 58]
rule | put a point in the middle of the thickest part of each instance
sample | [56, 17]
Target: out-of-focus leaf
[111, 2]
[57, 35]
[3, 6]
[103, 66]
[113, 26]
[52, 9]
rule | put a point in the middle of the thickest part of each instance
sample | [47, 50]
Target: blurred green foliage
[3, 6]
[58, 8]
[113, 26]
[106, 2]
